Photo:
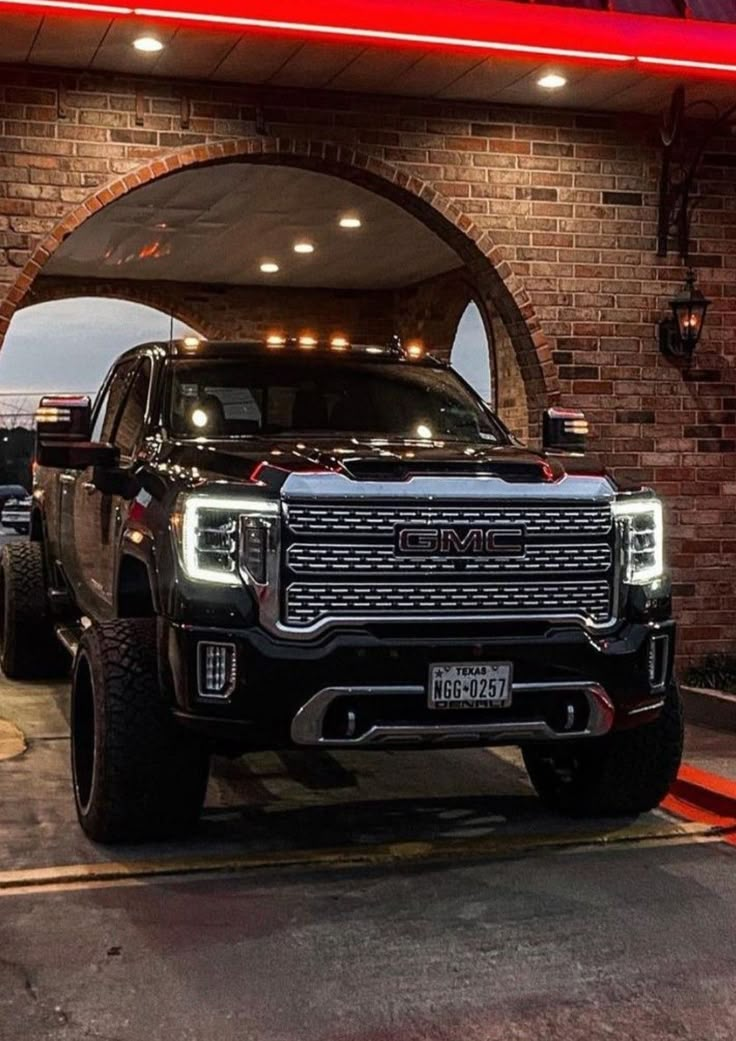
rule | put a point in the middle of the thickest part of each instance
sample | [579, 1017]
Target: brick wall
[510, 399]
[242, 312]
[562, 205]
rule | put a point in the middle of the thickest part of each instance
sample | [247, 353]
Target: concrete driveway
[376, 896]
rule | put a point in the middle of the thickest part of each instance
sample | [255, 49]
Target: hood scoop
[527, 471]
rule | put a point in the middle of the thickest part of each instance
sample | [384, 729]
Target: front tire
[28, 645]
[136, 774]
[623, 774]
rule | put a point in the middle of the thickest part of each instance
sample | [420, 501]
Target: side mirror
[564, 430]
[64, 416]
[76, 455]
[62, 431]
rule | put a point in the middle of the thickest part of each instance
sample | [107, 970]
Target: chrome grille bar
[352, 558]
[379, 521]
[307, 603]
[340, 561]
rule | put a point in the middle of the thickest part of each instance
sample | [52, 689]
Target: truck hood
[270, 461]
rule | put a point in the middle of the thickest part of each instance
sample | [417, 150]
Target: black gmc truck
[297, 544]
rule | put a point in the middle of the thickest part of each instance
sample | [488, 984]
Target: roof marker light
[339, 343]
[307, 342]
[415, 349]
[274, 340]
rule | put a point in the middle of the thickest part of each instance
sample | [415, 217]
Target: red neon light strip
[55, 6]
[480, 25]
[388, 35]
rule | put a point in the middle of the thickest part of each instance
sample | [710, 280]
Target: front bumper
[367, 687]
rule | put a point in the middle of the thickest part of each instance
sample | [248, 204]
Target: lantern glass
[689, 308]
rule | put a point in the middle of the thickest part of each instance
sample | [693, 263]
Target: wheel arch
[136, 591]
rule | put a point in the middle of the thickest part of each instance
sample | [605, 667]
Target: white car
[16, 515]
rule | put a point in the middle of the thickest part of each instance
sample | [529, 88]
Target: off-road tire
[622, 774]
[137, 774]
[28, 647]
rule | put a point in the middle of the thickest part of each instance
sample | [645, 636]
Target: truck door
[127, 437]
[86, 510]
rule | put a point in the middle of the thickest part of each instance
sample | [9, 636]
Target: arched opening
[67, 344]
[472, 352]
[193, 232]
[64, 345]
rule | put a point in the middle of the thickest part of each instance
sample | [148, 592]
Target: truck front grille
[308, 603]
[340, 561]
[379, 521]
[353, 559]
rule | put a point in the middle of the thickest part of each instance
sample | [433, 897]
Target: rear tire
[623, 774]
[137, 774]
[28, 646]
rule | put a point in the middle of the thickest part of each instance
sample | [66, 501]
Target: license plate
[470, 685]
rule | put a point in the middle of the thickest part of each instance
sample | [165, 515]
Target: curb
[710, 708]
[698, 795]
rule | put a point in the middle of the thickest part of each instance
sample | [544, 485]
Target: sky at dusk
[68, 345]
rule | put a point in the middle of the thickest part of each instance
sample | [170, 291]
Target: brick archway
[492, 276]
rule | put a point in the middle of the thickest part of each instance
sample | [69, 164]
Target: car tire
[623, 774]
[137, 774]
[28, 646]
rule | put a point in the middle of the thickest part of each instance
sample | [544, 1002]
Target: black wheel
[28, 647]
[136, 773]
[625, 773]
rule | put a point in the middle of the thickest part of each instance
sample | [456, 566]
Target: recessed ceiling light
[350, 221]
[269, 267]
[148, 44]
[552, 81]
[303, 247]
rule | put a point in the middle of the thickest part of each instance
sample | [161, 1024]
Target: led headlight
[643, 539]
[210, 534]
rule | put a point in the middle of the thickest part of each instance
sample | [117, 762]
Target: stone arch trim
[492, 274]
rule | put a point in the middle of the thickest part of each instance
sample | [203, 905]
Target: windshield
[318, 396]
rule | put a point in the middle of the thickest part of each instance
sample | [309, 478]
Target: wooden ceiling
[193, 53]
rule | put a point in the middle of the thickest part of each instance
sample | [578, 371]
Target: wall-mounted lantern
[679, 335]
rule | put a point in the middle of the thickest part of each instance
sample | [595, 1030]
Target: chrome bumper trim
[651, 706]
[306, 727]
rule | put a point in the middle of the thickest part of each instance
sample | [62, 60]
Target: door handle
[89, 487]
[67, 478]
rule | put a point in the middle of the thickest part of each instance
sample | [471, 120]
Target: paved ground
[407, 897]
[712, 750]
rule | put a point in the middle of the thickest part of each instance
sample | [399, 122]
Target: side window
[108, 408]
[130, 423]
